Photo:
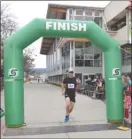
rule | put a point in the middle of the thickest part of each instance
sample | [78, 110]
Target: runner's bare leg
[67, 105]
[71, 107]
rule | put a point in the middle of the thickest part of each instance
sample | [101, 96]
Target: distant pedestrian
[38, 80]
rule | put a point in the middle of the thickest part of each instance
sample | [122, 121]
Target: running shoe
[66, 118]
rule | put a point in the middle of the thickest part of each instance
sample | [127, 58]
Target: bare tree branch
[8, 22]
[9, 26]
[28, 62]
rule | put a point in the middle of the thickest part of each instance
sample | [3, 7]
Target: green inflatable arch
[13, 64]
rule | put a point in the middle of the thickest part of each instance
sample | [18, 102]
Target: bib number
[71, 86]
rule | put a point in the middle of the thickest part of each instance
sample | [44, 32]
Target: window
[88, 13]
[98, 21]
[79, 45]
[88, 63]
[88, 18]
[79, 53]
[97, 63]
[79, 63]
[88, 56]
[79, 11]
[85, 76]
[66, 49]
[126, 57]
[70, 11]
[88, 48]
[66, 56]
[96, 50]
[118, 25]
[79, 17]
[79, 50]
[79, 14]
[97, 13]
[97, 57]
[87, 44]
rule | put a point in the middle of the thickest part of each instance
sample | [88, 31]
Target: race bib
[71, 86]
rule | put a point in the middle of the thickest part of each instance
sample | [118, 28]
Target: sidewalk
[45, 111]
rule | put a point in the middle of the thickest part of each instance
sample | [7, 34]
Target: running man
[68, 90]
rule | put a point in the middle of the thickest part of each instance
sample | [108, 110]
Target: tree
[28, 62]
[8, 25]
[8, 22]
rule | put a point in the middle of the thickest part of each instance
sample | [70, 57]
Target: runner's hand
[63, 93]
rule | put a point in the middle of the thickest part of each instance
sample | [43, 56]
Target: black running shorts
[72, 98]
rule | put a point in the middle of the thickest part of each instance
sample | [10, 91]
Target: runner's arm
[76, 83]
[63, 87]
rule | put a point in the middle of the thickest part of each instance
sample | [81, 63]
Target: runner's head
[70, 73]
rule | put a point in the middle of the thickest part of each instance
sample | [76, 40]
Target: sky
[25, 11]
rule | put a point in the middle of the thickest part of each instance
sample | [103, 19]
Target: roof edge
[47, 11]
[108, 4]
[73, 6]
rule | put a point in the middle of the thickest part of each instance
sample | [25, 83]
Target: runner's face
[70, 74]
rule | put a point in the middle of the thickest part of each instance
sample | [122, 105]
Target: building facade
[118, 18]
[80, 54]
